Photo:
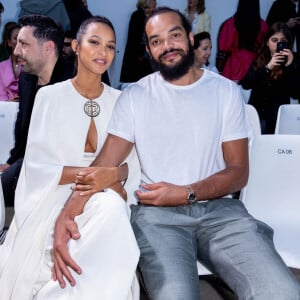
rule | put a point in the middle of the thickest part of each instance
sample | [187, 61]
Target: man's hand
[162, 194]
[293, 22]
[94, 179]
[4, 167]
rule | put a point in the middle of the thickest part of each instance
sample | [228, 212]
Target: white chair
[272, 194]
[8, 114]
[253, 118]
[288, 119]
[2, 208]
[255, 124]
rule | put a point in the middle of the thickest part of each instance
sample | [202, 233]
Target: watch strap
[191, 196]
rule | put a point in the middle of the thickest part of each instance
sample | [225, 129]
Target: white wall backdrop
[119, 11]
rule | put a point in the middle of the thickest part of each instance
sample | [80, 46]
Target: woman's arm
[255, 77]
[69, 174]
[233, 178]
[114, 151]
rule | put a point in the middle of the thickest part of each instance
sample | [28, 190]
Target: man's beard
[179, 69]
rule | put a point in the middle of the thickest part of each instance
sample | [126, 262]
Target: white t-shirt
[179, 130]
[211, 68]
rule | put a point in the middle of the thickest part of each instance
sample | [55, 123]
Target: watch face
[192, 197]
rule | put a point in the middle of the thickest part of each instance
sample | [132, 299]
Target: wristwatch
[191, 197]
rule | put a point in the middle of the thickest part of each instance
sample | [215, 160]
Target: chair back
[253, 118]
[2, 207]
[288, 119]
[255, 124]
[272, 194]
[8, 114]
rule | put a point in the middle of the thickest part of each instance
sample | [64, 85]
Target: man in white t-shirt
[190, 131]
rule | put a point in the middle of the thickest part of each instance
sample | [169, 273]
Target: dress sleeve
[41, 169]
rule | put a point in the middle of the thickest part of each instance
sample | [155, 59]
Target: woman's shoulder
[228, 24]
[110, 88]
[113, 92]
[55, 92]
[204, 14]
[229, 21]
[58, 86]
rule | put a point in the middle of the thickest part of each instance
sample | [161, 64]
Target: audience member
[4, 48]
[54, 9]
[287, 11]
[197, 16]
[68, 52]
[1, 12]
[77, 13]
[84, 2]
[202, 49]
[39, 44]
[240, 37]
[190, 130]
[10, 69]
[273, 82]
[136, 62]
[70, 55]
[57, 141]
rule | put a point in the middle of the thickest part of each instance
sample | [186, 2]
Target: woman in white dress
[67, 130]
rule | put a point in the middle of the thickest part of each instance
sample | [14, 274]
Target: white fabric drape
[57, 138]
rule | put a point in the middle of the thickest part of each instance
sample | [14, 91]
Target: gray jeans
[220, 234]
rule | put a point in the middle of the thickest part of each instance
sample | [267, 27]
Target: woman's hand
[94, 179]
[278, 58]
[290, 56]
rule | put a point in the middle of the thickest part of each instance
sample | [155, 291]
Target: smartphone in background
[280, 46]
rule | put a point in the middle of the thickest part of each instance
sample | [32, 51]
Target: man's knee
[286, 289]
[175, 286]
